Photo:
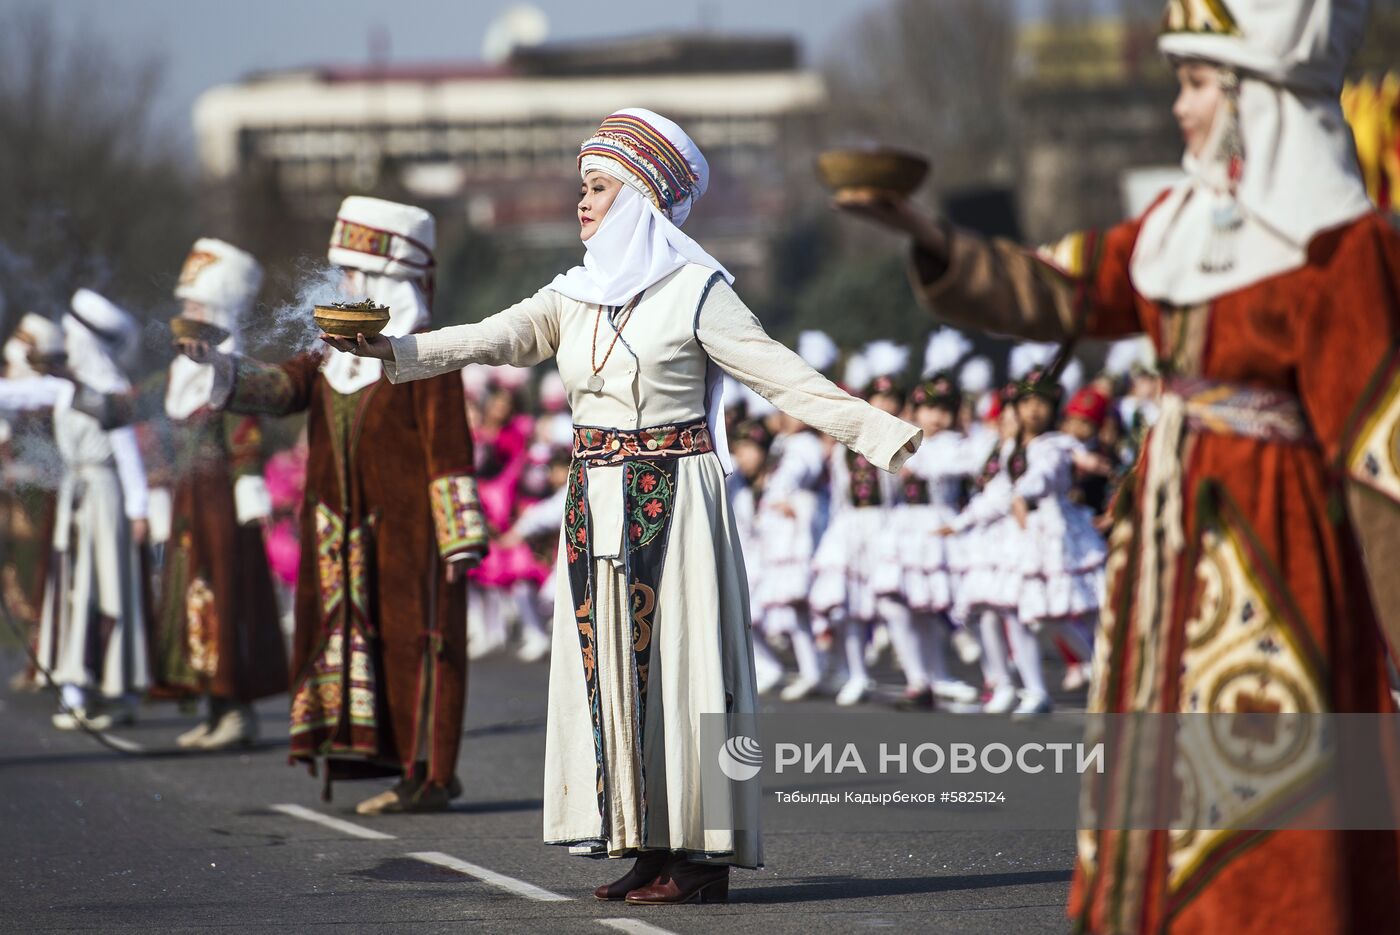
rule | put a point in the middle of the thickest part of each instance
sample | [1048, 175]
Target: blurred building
[1098, 140]
[495, 145]
[1095, 99]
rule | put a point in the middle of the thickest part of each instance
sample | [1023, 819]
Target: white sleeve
[1047, 467]
[522, 336]
[251, 500]
[130, 470]
[974, 449]
[736, 341]
[990, 504]
[31, 393]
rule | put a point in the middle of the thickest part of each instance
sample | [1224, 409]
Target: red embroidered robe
[1268, 605]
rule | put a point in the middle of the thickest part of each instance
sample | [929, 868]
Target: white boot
[190, 739]
[854, 692]
[968, 649]
[534, 647]
[800, 688]
[879, 642]
[237, 727]
[1003, 699]
[768, 671]
[1033, 705]
[1076, 676]
[955, 690]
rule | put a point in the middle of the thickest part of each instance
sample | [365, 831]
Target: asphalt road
[95, 841]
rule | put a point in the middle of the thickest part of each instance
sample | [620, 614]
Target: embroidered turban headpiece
[651, 154]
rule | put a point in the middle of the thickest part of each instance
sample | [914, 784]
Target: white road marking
[491, 877]
[634, 926]
[306, 814]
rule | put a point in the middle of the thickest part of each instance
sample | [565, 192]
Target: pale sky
[210, 42]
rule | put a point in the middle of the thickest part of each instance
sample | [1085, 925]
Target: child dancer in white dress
[978, 539]
[1063, 558]
[932, 486]
[1050, 557]
[787, 532]
[856, 570]
[749, 444]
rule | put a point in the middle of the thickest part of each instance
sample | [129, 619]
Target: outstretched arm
[522, 336]
[736, 341]
[1079, 285]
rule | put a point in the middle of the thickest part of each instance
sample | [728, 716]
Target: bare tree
[936, 76]
[93, 192]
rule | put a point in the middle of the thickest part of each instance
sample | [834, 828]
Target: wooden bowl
[190, 329]
[877, 171]
[346, 320]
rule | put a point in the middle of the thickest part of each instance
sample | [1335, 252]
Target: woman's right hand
[377, 346]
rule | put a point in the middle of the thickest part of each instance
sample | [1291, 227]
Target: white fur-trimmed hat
[383, 238]
[222, 278]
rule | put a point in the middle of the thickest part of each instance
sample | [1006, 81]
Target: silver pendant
[595, 384]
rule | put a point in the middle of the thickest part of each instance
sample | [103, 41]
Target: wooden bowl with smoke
[346, 319]
[191, 329]
[872, 171]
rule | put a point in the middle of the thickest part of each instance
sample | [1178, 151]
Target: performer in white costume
[646, 643]
[92, 634]
[932, 488]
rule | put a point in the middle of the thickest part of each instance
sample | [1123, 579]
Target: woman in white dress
[651, 624]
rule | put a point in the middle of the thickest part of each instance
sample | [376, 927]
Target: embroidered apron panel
[649, 498]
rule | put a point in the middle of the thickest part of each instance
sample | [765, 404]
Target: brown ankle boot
[685, 881]
[649, 864]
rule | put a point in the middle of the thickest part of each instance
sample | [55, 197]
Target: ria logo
[740, 758]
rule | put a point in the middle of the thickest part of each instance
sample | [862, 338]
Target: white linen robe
[701, 658]
[95, 572]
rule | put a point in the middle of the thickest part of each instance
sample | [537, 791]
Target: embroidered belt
[614, 446]
[1257, 412]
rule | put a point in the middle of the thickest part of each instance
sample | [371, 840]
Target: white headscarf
[634, 248]
[637, 245]
[224, 281]
[98, 336]
[1300, 174]
[408, 312]
[386, 249]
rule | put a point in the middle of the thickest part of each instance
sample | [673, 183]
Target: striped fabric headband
[375, 241]
[648, 153]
